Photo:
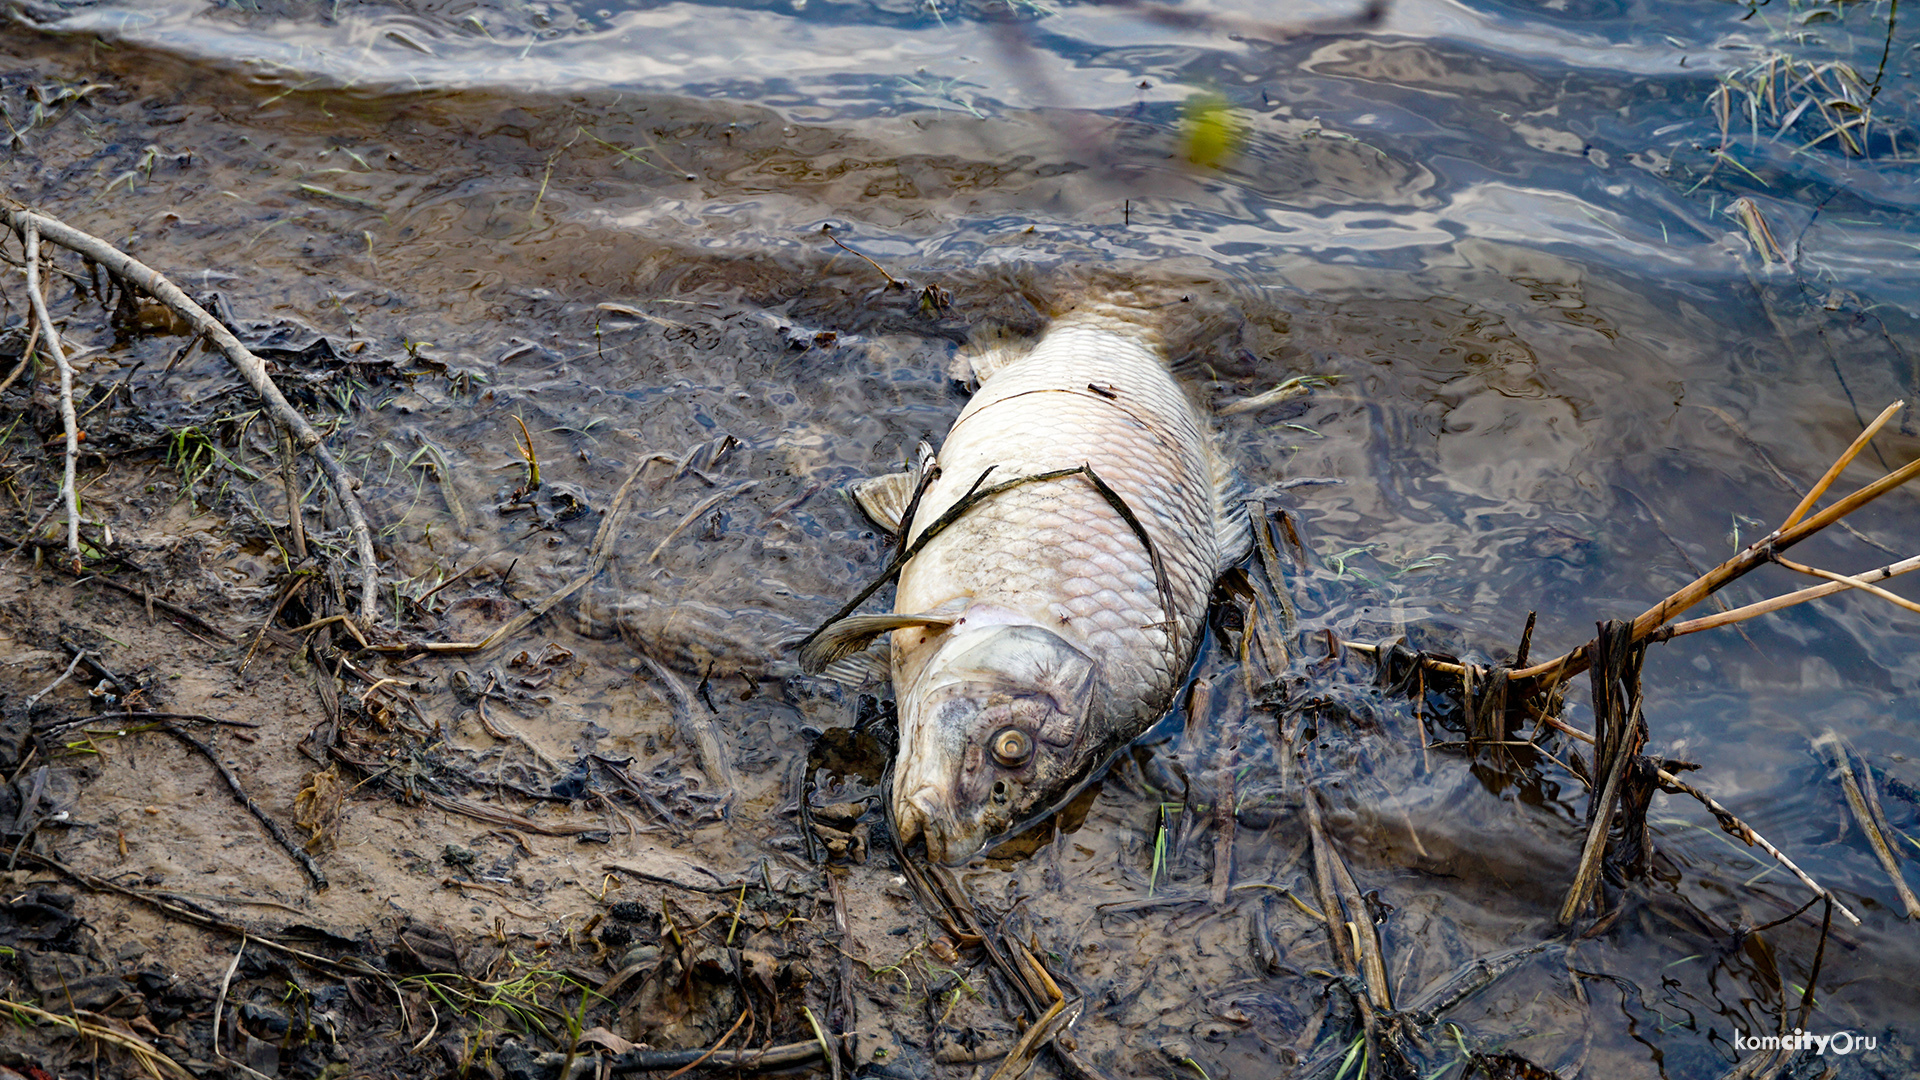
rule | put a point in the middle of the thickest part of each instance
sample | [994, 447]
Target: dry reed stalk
[1763, 607]
[149, 1056]
[1762, 551]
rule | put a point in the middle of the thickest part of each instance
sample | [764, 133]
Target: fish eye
[1012, 747]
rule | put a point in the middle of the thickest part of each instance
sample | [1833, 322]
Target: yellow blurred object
[1210, 131]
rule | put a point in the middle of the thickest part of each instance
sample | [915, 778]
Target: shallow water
[1567, 380]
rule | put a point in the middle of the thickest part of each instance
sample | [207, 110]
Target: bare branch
[30, 237]
[28, 223]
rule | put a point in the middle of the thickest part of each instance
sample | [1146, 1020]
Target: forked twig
[127, 268]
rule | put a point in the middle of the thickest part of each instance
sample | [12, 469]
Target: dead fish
[1063, 545]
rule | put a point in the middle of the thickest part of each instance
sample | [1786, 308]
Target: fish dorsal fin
[855, 632]
[888, 499]
[988, 350]
[1233, 533]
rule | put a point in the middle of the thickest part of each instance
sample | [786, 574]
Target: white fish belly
[1057, 551]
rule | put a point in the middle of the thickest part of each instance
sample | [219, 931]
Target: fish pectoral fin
[889, 499]
[856, 632]
[886, 498]
[860, 670]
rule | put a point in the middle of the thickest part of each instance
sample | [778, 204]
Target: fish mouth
[926, 814]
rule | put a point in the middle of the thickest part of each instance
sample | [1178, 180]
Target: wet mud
[634, 828]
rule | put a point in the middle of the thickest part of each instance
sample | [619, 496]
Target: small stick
[286, 595]
[95, 718]
[892, 282]
[26, 357]
[250, 367]
[1741, 831]
[48, 689]
[31, 235]
[843, 1014]
[1814, 571]
[240, 795]
[714, 1050]
[296, 518]
[1224, 826]
[1813, 973]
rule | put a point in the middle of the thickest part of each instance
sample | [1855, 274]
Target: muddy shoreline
[635, 822]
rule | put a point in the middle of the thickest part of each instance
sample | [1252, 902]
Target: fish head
[998, 727]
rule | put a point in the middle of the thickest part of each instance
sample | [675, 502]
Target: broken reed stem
[127, 268]
[1620, 733]
[1763, 607]
[1814, 571]
[1019, 1059]
[1366, 938]
[1730, 823]
[1323, 887]
[30, 238]
[1834, 470]
[1757, 554]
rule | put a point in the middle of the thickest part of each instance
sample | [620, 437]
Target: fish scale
[1056, 549]
[1036, 633]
